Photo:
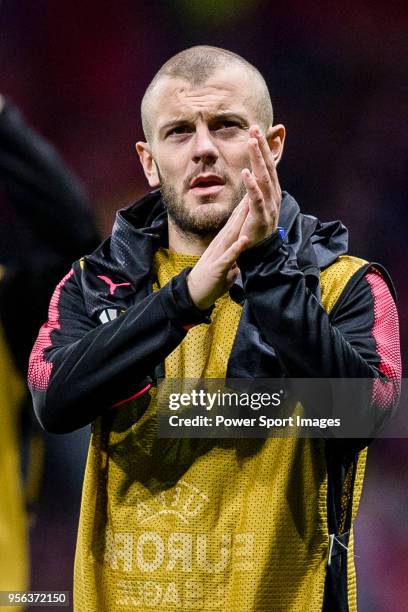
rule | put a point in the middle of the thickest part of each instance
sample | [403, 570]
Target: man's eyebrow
[230, 115]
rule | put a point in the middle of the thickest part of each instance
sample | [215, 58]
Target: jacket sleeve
[79, 368]
[52, 227]
[359, 339]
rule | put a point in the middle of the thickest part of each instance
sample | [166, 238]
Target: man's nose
[204, 147]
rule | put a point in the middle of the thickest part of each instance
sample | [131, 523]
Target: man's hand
[254, 219]
[216, 270]
[263, 190]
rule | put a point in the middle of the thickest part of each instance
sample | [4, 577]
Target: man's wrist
[202, 305]
[264, 249]
[179, 305]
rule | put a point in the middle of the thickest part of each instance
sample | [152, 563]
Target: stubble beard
[192, 223]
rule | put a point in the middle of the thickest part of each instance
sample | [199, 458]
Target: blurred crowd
[78, 71]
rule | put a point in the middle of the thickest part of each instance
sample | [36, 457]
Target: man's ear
[148, 163]
[275, 135]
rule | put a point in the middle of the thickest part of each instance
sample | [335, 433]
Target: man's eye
[226, 125]
[179, 129]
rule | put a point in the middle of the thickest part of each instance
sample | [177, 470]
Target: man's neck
[188, 244]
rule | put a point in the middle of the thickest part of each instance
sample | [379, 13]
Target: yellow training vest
[13, 518]
[228, 525]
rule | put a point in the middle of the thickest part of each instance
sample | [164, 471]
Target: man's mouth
[207, 184]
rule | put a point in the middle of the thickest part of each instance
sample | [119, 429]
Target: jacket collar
[328, 239]
[141, 228]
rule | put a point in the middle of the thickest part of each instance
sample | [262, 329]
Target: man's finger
[266, 153]
[231, 276]
[230, 232]
[256, 197]
[256, 132]
[233, 252]
[259, 168]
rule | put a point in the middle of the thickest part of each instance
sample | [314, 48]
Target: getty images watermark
[238, 408]
[209, 400]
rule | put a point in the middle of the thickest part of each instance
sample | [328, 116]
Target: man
[46, 204]
[233, 525]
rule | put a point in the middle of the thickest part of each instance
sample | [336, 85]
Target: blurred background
[337, 76]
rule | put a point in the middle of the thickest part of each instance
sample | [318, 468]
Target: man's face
[199, 146]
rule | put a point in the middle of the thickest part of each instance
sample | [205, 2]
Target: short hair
[196, 65]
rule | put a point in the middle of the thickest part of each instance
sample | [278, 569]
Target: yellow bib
[13, 518]
[229, 525]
